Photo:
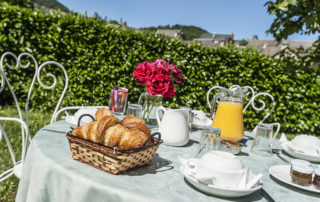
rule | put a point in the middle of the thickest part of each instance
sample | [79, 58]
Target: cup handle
[157, 114]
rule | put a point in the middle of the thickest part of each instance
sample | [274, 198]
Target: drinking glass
[135, 110]
[118, 100]
[262, 143]
[209, 141]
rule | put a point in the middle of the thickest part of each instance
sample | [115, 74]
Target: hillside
[46, 4]
[189, 31]
[52, 4]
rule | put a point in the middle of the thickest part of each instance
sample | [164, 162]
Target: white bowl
[224, 168]
[306, 144]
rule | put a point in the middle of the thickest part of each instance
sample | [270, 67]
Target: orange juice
[229, 118]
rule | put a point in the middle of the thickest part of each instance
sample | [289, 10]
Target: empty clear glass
[134, 109]
[209, 141]
[262, 143]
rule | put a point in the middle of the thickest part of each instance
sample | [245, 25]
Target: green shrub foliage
[98, 56]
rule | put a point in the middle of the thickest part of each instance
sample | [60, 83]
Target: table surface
[50, 174]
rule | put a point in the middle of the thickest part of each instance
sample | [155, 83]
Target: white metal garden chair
[23, 120]
[17, 165]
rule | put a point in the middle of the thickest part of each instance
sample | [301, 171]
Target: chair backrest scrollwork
[36, 77]
[23, 120]
[252, 101]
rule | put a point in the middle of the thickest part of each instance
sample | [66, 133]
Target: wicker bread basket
[112, 160]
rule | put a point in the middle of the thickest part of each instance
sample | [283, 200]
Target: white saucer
[282, 173]
[300, 155]
[200, 126]
[73, 120]
[218, 191]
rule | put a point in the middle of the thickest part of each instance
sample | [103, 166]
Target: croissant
[131, 118]
[95, 130]
[142, 134]
[101, 112]
[82, 131]
[130, 140]
[113, 135]
[132, 133]
[131, 121]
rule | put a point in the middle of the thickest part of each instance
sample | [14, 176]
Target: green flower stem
[149, 103]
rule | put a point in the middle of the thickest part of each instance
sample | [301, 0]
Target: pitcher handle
[161, 108]
[208, 95]
[278, 129]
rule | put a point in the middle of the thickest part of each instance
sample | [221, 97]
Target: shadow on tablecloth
[158, 164]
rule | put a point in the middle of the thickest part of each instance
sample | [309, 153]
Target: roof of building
[169, 32]
[272, 47]
[215, 37]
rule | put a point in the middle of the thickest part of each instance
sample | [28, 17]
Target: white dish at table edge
[312, 158]
[282, 173]
[218, 191]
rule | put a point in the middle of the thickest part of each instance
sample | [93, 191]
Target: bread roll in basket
[112, 145]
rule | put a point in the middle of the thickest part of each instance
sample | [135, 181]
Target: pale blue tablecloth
[50, 174]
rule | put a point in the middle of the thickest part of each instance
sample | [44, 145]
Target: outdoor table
[50, 174]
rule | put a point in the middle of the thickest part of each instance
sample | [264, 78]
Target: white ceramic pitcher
[174, 126]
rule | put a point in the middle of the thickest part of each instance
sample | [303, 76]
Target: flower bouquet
[159, 78]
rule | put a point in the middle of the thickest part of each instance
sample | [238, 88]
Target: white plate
[315, 159]
[218, 191]
[196, 125]
[282, 173]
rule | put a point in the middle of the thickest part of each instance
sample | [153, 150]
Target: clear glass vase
[150, 104]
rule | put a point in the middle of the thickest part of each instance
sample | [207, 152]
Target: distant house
[275, 49]
[287, 52]
[215, 40]
[173, 33]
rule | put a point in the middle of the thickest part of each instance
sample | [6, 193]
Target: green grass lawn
[37, 120]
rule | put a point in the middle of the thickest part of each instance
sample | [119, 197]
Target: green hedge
[99, 56]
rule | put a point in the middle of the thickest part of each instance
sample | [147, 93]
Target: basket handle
[83, 115]
[151, 136]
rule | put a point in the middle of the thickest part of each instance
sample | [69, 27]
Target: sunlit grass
[37, 120]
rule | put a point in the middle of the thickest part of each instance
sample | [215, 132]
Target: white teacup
[199, 116]
[225, 169]
[306, 144]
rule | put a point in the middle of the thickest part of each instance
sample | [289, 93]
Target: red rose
[144, 73]
[158, 77]
[161, 63]
[160, 84]
[170, 92]
[176, 73]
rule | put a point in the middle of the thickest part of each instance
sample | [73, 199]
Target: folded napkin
[74, 118]
[283, 139]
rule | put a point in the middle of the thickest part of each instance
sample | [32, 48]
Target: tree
[295, 16]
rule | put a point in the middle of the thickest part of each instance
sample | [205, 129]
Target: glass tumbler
[135, 110]
[209, 141]
[262, 143]
[118, 100]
